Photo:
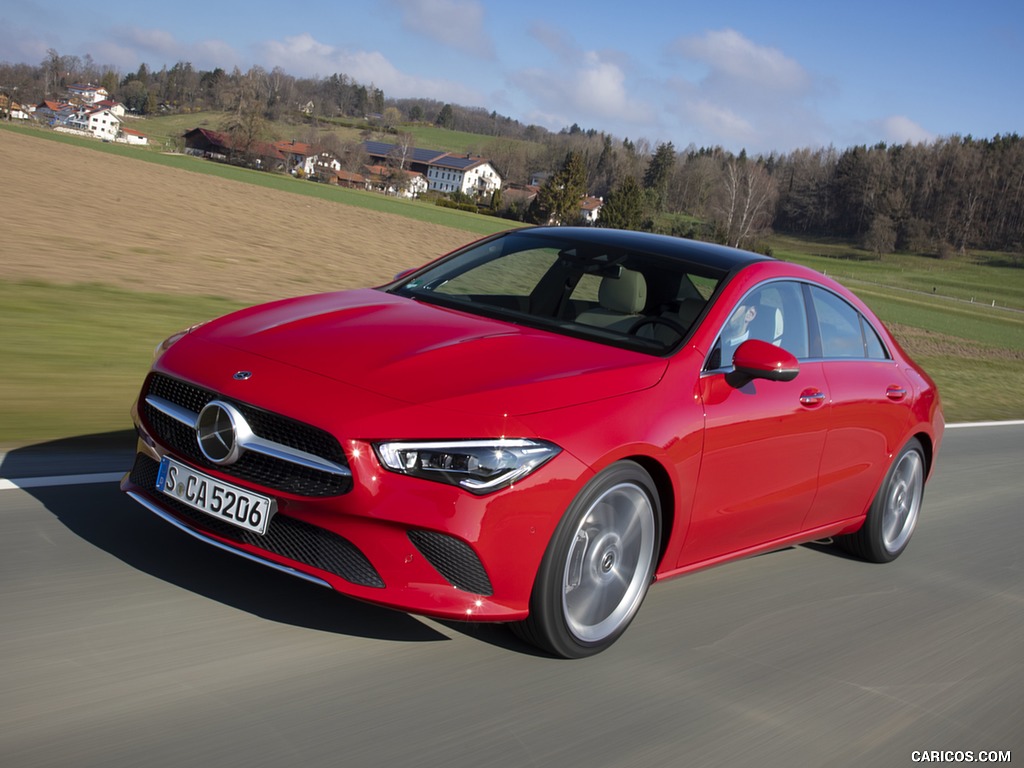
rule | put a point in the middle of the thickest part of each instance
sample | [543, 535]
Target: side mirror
[756, 359]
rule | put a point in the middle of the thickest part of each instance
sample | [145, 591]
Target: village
[397, 169]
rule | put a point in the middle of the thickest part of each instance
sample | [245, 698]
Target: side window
[843, 330]
[774, 312]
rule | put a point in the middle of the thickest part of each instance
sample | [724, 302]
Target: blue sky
[735, 73]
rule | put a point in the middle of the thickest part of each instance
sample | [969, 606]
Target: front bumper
[395, 541]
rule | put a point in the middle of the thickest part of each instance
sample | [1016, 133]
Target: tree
[746, 202]
[558, 201]
[397, 159]
[246, 130]
[246, 126]
[135, 96]
[109, 81]
[659, 171]
[446, 117]
[604, 172]
[624, 208]
[391, 117]
[881, 236]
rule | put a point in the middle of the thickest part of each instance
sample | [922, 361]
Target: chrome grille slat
[289, 456]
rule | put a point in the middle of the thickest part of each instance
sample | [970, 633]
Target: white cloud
[587, 88]
[735, 61]
[731, 91]
[458, 24]
[898, 129]
[305, 56]
[128, 47]
[717, 120]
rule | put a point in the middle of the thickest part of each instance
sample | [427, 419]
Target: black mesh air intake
[454, 559]
[285, 536]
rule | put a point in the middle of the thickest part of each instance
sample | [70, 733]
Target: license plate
[248, 510]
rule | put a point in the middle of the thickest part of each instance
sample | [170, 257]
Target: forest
[951, 196]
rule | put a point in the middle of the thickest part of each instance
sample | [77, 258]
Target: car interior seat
[620, 300]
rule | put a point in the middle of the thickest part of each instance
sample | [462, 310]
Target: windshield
[577, 286]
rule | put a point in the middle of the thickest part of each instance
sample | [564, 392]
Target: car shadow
[101, 515]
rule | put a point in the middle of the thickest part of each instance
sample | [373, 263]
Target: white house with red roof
[128, 136]
[101, 122]
[590, 209]
[313, 161]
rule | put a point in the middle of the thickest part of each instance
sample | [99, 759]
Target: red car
[535, 427]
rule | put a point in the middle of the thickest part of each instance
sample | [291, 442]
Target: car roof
[717, 256]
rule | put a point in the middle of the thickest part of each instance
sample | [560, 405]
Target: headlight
[479, 466]
[166, 344]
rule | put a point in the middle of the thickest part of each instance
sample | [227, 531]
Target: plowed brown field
[72, 215]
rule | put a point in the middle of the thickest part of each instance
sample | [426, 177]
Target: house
[348, 179]
[201, 142]
[100, 122]
[311, 161]
[384, 178]
[87, 93]
[445, 172]
[214, 145]
[463, 173]
[590, 209]
[54, 112]
[10, 109]
[116, 108]
[128, 136]
[518, 197]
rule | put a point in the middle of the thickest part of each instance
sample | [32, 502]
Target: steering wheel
[670, 322]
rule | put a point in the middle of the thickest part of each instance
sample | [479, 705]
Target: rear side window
[843, 331]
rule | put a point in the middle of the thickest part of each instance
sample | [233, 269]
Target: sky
[740, 74]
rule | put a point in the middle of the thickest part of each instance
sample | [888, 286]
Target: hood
[423, 354]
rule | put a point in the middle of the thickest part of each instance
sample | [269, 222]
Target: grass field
[92, 278]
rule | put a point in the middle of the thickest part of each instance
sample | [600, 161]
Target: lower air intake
[454, 559]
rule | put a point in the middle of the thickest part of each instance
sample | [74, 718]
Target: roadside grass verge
[75, 356]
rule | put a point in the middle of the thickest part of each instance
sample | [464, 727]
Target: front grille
[454, 559]
[268, 471]
[285, 536]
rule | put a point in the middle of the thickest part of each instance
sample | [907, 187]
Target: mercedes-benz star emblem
[218, 431]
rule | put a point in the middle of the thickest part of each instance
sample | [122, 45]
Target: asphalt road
[126, 643]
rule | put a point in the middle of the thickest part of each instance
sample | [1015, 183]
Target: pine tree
[558, 201]
[624, 208]
[659, 170]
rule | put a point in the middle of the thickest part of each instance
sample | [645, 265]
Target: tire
[598, 565]
[891, 520]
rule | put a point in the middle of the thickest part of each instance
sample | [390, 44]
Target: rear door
[871, 408]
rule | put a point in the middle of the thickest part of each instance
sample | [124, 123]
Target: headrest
[626, 293]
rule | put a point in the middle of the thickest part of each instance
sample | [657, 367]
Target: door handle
[896, 392]
[812, 397]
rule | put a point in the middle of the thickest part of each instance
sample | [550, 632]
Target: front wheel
[891, 520]
[598, 565]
